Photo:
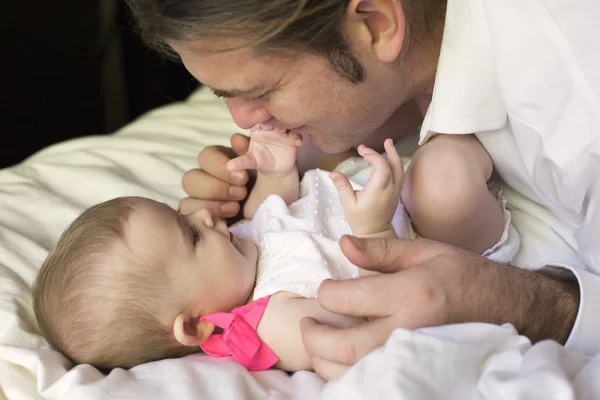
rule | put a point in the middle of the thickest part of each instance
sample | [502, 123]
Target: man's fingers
[213, 160]
[239, 143]
[383, 255]
[367, 296]
[219, 209]
[200, 184]
[344, 346]
[242, 163]
[344, 188]
[389, 255]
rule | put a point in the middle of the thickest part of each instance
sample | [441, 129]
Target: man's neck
[423, 102]
[421, 65]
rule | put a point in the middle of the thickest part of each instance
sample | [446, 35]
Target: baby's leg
[447, 197]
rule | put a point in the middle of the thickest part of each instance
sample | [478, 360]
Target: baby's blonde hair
[98, 304]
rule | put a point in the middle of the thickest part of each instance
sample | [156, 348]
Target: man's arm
[539, 306]
[425, 283]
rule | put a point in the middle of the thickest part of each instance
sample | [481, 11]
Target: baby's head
[130, 278]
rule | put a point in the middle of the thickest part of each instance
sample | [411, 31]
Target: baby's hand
[271, 151]
[370, 211]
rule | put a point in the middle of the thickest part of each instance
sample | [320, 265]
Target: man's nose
[247, 113]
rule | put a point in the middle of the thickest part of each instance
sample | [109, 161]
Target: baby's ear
[190, 331]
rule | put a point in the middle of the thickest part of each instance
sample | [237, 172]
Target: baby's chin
[247, 248]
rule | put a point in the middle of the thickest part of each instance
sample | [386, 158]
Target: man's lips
[269, 126]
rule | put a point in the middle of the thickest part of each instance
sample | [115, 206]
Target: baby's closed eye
[194, 234]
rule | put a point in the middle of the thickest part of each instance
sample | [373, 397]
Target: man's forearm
[287, 186]
[552, 310]
[540, 307]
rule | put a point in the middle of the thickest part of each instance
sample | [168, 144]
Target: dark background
[74, 68]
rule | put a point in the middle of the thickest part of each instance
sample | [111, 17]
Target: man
[522, 76]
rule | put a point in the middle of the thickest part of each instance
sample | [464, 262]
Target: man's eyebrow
[238, 92]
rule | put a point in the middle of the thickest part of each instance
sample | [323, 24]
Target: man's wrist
[540, 307]
[553, 310]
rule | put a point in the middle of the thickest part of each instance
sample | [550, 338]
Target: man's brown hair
[275, 25]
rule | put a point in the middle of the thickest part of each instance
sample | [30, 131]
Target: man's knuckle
[217, 192]
[387, 251]
[426, 294]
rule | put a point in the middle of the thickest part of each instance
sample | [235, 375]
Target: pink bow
[239, 338]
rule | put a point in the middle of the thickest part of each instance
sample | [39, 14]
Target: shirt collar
[466, 96]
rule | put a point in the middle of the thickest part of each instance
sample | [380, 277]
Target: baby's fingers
[381, 174]
[344, 188]
[395, 162]
[295, 138]
[241, 163]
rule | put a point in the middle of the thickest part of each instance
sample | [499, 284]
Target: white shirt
[524, 75]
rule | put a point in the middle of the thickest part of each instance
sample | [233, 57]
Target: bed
[40, 196]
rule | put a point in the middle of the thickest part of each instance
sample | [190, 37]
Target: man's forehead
[240, 72]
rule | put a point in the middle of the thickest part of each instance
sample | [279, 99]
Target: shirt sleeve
[585, 335]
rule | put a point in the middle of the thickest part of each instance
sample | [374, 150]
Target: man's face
[302, 93]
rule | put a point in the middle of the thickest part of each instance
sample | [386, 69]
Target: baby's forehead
[151, 230]
[147, 211]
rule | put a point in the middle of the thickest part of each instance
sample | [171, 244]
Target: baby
[132, 281]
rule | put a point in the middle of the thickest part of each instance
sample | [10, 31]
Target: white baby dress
[299, 245]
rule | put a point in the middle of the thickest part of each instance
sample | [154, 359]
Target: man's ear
[190, 331]
[381, 24]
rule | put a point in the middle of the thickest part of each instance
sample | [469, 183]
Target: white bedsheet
[39, 197]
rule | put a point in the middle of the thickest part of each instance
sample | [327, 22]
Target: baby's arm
[447, 197]
[370, 211]
[285, 185]
[279, 327]
[272, 154]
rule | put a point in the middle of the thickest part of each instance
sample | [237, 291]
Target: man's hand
[271, 151]
[425, 283]
[212, 186]
[370, 211]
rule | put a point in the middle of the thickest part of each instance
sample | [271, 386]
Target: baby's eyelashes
[194, 234]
